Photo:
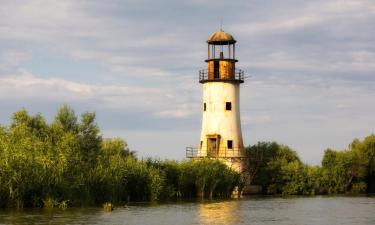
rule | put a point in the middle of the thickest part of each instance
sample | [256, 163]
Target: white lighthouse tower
[221, 135]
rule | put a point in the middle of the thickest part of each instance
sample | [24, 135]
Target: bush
[359, 187]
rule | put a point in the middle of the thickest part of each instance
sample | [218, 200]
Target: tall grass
[67, 162]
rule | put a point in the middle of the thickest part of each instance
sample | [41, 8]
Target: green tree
[266, 161]
[89, 136]
[66, 119]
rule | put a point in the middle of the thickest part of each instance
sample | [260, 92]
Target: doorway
[211, 147]
[216, 70]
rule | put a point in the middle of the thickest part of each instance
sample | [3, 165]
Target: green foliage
[278, 169]
[359, 187]
[66, 119]
[67, 162]
[367, 149]
[196, 178]
[351, 170]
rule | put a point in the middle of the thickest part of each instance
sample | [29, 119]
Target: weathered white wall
[217, 120]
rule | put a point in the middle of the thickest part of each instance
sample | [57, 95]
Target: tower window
[228, 106]
[230, 144]
[204, 106]
[201, 144]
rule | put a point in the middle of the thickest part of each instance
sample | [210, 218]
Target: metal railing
[238, 76]
[223, 152]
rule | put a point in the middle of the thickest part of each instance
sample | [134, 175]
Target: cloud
[355, 62]
[10, 59]
[135, 62]
[119, 45]
[27, 86]
[259, 119]
[277, 25]
[183, 111]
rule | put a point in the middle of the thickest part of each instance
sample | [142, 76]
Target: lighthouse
[221, 135]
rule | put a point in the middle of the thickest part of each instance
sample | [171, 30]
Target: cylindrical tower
[221, 135]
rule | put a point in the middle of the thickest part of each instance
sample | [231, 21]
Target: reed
[67, 163]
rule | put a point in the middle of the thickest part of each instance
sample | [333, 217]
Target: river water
[249, 210]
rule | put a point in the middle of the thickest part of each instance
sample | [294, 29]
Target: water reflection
[225, 212]
[255, 211]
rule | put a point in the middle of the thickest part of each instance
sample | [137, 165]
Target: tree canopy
[278, 169]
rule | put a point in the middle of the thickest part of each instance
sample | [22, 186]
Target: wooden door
[211, 147]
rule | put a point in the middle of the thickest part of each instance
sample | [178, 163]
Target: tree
[266, 160]
[117, 146]
[66, 119]
[345, 171]
[89, 136]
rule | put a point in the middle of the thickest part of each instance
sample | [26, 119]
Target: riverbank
[67, 163]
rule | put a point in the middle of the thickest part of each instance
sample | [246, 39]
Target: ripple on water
[254, 211]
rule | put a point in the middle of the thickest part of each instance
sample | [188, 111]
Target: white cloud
[313, 13]
[347, 62]
[346, 6]
[183, 111]
[157, 102]
[68, 27]
[311, 64]
[26, 85]
[277, 25]
[256, 119]
[10, 59]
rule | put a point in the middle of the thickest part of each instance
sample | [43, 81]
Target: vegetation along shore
[67, 163]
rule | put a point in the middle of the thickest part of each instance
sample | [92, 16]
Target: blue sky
[135, 63]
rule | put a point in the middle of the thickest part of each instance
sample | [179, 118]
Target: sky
[310, 68]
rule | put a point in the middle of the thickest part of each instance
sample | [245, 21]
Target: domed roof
[221, 37]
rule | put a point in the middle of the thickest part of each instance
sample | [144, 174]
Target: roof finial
[221, 24]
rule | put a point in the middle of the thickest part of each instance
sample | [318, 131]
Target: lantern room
[221, 59]
[221, 45]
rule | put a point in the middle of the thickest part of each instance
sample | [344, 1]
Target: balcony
[205, 76]
[194, 152]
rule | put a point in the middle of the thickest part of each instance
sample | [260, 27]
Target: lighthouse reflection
[219, 213]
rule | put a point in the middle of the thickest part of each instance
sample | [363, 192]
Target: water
[253, 211]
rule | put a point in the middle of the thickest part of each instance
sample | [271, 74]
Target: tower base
[240, 165]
